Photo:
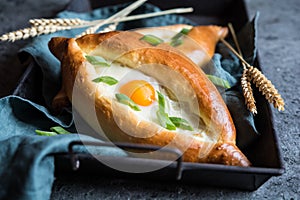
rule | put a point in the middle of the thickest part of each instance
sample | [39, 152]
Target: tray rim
[276, 171]
[191, 166]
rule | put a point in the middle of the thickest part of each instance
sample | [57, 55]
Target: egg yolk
[139, 91]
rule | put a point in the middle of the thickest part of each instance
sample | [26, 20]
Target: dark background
[278, 44]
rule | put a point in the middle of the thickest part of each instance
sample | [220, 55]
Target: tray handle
[75, 163]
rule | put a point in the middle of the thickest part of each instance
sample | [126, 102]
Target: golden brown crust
[134, 53]
[60, 101]
[199, 38]
[207, 37]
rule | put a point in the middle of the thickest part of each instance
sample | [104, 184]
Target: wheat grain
[266, 87]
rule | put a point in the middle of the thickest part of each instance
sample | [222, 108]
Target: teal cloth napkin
[27, 160]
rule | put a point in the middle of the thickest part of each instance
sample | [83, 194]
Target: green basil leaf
[45, 133]
[161, 101]
[106, 79]
[151, 39]
[181, 123]
[183, 31]
[97, 60]
[122, 98]
[164, 120]
[59, 130]
[175, 43]
[218, 81]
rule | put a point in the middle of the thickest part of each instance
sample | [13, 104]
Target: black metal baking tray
[263, 153]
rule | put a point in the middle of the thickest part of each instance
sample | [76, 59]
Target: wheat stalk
[245, 84]
[120, 14]
[78, 23]
[149, 15]
[264, 85]
[66, 24]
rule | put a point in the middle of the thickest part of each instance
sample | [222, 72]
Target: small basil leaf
[164, 120]
[175, 43]
[218, 81]
[161, 101]
[122, 98]
[181, 123]
[59, 130]
[151, 39]
[183, 31]
[45, 133]
[106, 79]
[97, 60]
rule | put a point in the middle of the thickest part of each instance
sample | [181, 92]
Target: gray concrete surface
[279, 44]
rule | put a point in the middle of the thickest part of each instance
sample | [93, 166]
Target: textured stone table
[279, 44]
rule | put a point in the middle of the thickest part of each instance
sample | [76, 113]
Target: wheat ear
[248, 93]
[246, 85]
[31, 32]
[56, 22]
[266, 87]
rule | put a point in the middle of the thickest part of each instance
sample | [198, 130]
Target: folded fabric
[27, 160]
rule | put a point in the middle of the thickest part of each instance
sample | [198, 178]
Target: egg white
[148, 113]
